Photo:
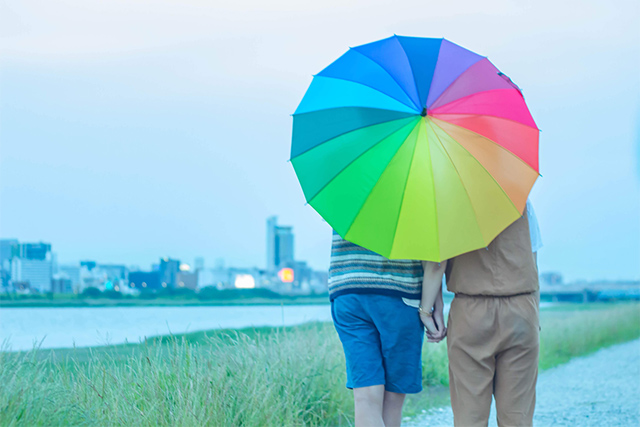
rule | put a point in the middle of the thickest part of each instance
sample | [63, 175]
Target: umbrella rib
[475, 216]
[481, 165]
[351, 162]
[371, 87]
[482, 136]
[394, 79]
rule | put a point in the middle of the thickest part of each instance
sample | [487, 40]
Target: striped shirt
[354, 269]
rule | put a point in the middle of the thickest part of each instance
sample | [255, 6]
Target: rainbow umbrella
[415, 148]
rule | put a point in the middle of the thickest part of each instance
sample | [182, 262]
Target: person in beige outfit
[493, 329]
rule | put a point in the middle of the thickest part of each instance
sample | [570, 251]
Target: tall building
[186, 279]
[6, 250]
[71, 272]
[145, 280]
[284, 246]
[88, 265]
[279, 245]
[31, 263]
[36, 272]
[61, 284]
[271, 242]
[34, 251]
[169, 268]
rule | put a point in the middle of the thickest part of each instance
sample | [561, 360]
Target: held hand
[433, 321]
[435, 333]
[438, 315]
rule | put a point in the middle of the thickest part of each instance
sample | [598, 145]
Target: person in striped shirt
[376, 309]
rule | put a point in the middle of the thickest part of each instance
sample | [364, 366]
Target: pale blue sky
[134, 130]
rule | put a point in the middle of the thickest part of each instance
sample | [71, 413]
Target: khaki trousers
[493, 345]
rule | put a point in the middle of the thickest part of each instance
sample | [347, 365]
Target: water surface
[21, 328]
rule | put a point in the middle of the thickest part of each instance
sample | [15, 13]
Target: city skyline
[28, 267]
[172, 136]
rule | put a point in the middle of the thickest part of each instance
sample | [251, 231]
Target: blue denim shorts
[382, 341]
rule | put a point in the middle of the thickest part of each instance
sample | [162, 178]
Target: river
[22, 328]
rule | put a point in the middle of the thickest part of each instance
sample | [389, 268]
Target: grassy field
[252, 377]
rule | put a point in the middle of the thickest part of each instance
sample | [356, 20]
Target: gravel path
[602, 389]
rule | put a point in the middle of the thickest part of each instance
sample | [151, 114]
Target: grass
[251, 377]
[572, 330]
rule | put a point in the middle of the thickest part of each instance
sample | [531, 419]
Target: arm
[432, 298]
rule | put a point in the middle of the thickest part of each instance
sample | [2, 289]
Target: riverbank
[192, 299]
[161, 302]
[255, 376]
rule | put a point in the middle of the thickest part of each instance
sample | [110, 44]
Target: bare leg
[368, 405]
[392, 408]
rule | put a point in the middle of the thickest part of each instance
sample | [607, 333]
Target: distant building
[61, 284]
[89, 265]
[36, 272]
[92, 276]
[245, 278]
[54, 263]
[280, 245]
[272, 224]
[319, 281]
[169, 268]
[34, 251]
[284, 246]
[31, 263]
[145, 280]
[6, 250]
[114, 272]
[218, 277]
[71, 272]
[187, 280]
[551, 279]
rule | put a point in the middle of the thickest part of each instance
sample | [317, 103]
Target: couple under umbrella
[421, 155]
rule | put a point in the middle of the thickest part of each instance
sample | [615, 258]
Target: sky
[133, 130]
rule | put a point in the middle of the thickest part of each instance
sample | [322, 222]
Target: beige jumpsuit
[493, 330]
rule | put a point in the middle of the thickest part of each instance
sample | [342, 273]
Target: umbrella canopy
[415, 148]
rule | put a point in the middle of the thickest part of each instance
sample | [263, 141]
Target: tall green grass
[578, 329]
[254, 377]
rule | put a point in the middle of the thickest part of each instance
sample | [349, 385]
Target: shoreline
[160, 302]
[563, 308]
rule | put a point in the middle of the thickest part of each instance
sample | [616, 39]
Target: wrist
[425, 312]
